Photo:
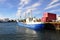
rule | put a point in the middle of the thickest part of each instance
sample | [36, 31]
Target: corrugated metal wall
[48, 17]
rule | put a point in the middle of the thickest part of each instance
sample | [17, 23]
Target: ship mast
[31, 13]
[25, 15]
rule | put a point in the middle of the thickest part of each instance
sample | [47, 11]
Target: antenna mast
[31, 13]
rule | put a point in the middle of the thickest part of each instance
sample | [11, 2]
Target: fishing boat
[31, 23]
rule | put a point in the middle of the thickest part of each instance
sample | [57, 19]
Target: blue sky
[16, 8]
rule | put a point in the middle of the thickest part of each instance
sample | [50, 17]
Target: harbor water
[12, 31]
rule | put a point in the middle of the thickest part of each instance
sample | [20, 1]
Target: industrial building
[4, 19]
[48, 17]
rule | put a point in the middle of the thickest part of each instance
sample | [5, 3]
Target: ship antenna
[31, 13]
[25, 15]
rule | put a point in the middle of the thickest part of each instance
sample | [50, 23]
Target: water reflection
[40, 35]
[12, 31]
[25, 30]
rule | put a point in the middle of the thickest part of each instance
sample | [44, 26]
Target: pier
[56, 25]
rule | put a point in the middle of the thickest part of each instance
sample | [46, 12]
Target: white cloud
[19, 12]
[24, 1]
[21, 5]
[57, 10]
[34, 5]
[53, 1]
[27, 8]
[28, 11]
[31, 8]
[52, 6]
